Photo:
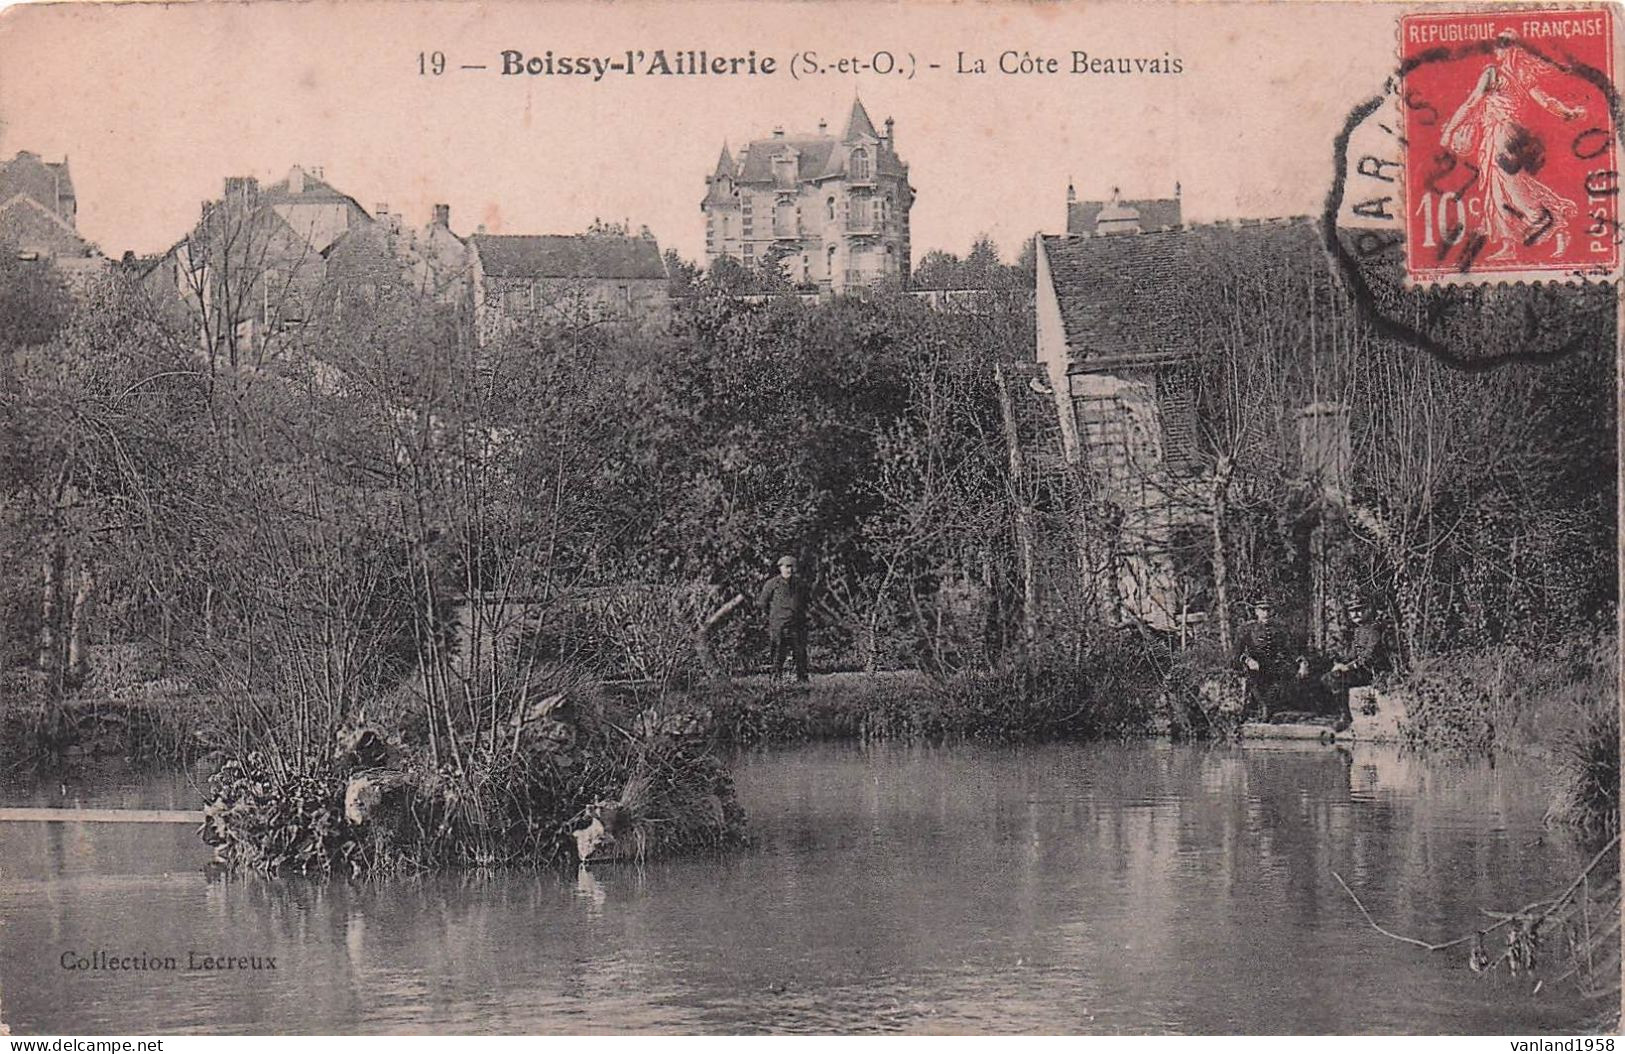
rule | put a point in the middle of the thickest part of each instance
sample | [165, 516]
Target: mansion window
[860, 164]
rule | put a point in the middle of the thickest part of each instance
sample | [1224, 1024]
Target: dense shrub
[641, 778]
[1511, 696]
[257, 822]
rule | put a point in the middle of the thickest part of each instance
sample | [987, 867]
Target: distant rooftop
[569, 256]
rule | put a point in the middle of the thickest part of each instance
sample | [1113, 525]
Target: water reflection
[1103, 888]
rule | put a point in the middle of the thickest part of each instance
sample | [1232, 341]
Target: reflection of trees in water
[1191, 884]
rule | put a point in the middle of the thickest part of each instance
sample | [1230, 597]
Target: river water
[1140, 888]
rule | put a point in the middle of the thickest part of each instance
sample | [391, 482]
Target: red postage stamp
[1511, 144]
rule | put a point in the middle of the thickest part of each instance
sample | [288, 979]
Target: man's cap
[1358, 603]
[787, 561]
[1262, 600]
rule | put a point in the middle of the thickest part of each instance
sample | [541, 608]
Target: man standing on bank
[784, 598]
[1264, 652]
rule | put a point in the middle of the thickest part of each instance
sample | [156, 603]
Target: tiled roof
[1131, 294]
[1155, 213]
[568, 256]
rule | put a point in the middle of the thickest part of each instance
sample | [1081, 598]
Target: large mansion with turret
[832, 210]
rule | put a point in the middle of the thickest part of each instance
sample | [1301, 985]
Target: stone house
[596, 277]
[254, 265]
[1119, 337]
[387, 259]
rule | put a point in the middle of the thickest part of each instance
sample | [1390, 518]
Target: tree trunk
[84, 599]
[51, 609]
[1024, 530]
[1219, 509]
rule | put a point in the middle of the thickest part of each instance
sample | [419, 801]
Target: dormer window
[860, 164]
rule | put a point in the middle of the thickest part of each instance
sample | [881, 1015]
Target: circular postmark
[1474, 210]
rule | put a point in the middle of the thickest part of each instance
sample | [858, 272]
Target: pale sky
[155, 104]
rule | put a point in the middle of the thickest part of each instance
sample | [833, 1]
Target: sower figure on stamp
[784, 598]
[1359, 659]
[1491, 130]
[1265, 654]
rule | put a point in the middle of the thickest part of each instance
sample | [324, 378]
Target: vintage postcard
[825, 517]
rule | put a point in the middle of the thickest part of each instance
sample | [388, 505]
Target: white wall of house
[1053, 353]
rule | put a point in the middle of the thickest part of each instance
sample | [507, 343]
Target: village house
[39, 217]
[255, 264]
[599, 277]
[833, 212]
[388, 260]
[1119, 331]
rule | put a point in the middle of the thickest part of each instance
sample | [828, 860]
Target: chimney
[381, 209]
[778, 131]
[442, 216]
[296, 180]
[891, 134]
[823, 126]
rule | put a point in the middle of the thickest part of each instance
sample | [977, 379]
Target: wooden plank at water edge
[1260, 730]
[101, 815]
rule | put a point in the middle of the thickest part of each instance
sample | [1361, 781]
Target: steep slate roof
[1155, 213]
[813, 155]
[47, 182]
[568, 256]
[315, 190]
[31, 225]
[725, 164]
[1131, 294]
[858, 123]
[819, 156]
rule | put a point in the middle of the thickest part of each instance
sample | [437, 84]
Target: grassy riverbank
[638, 761]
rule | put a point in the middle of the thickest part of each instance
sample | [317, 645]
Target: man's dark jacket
[1270, 644]
[785, 601]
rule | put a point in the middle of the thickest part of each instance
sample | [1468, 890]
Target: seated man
[1359, 658]
[1265, 653]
